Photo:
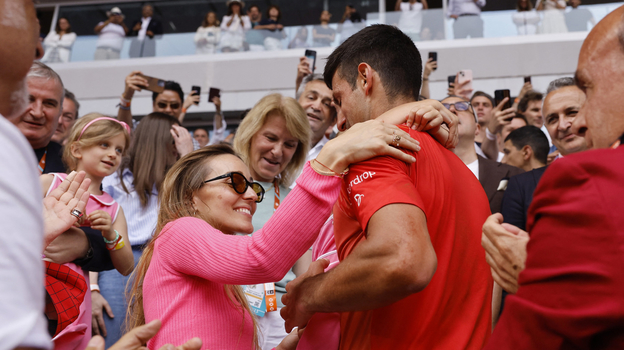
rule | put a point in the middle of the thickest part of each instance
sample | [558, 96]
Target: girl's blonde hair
[95, 134]
[183, 180]
[296, 122]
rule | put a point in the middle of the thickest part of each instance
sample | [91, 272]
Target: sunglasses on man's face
[240, 184]
[460, 106]
[163, 105]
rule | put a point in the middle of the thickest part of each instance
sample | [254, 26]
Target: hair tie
[103, 118]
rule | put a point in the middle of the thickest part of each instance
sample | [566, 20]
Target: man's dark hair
[528, 97]
[252, 6]
[481, 93]
[70, 96]
[173, 86]
[388, 51]
[532, 136]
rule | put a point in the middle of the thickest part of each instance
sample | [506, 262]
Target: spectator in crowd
[526, 19]
[430, 66]
[145, 28]
[411, 18]
[67, 118]
[58, 43]
[492, 175]
[233, 27]
[208, 35]
[169, 101]
[577, 18]
[467, 15]
[255, 39]
[530, 106]
[526, 148]
[111, 34]
[575, 249]
[300, 41]
[554, 21]
[201, 136]
[153, 150]
[254, 14]
[350, 23]
[381, 279]
[509, 121]
[483, 105]
[272, 29]
[197, 197]
[323, 35]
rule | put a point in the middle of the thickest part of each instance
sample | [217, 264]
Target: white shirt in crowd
[526, 22]
[465, 7]
[111, 37]
[144, 23]
[411, 17]
[474, 167]
[22, 294]
[207, 39]
[58, 48]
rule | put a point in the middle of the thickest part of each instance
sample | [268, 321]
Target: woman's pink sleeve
[191, 246]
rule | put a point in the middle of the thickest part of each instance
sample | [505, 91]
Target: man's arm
[395, 261]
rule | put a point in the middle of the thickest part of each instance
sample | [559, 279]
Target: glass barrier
[420, 25]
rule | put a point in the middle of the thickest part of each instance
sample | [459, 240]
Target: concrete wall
[244, 78]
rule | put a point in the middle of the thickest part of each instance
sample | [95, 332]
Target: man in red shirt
[570, 294]
[412, 272]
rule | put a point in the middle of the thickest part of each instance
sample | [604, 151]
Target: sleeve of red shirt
[570, 295]
[377, 182]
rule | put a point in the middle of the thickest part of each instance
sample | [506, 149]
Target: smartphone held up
[500, 95]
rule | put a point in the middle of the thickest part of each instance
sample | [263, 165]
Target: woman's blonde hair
[183, 180]
[95, 134]
[296, 122]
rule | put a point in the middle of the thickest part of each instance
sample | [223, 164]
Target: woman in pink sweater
[189, 273]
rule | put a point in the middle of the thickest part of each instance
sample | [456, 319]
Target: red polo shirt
[454, 310]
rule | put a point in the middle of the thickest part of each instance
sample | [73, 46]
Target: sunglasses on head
[163, 105]
[240, 184]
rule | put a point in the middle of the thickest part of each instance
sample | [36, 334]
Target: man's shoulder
[591, 165]
[492, 164]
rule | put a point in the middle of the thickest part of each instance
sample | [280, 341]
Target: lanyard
[42, 162]
[276, 200]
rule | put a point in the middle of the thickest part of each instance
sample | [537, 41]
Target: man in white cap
[111, 35]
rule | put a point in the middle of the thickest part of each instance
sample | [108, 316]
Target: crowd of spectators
[459, 222]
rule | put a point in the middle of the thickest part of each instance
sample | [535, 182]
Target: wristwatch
[84, 260]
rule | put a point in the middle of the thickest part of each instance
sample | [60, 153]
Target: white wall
[244, 78]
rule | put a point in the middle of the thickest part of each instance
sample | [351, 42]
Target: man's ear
[527, 153]
[365, 78]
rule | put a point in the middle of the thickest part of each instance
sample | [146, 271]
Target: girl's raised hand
[101, 220]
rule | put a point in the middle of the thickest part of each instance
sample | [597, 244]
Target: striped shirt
[141, 220]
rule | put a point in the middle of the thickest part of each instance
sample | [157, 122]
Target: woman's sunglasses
[240, 184]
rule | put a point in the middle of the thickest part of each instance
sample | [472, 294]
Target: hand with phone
[525, 88]
[430, 66]
[134, 82]
[502, 115]
[460, 87]
[303, 70]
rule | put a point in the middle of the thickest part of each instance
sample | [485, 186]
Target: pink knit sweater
[184, 285]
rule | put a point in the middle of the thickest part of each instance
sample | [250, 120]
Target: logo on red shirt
[359, 179]
[358, 198]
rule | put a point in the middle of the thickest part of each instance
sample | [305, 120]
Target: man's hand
[149, 33]
[134, 82]
[98, 303]
[500, 117]
[460, 89]
[294, 312]
[72, 193]
[505, 247]
[217, 102]
[191, 98]
[137, 27]
[552, 156]
[135, 339]
[430, 66]
[183, 140]
[67, 247]
[525, 88]
[303, 69]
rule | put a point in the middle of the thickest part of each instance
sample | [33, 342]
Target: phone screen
[311, 56]
[499, 96]
[434, 57]
[451, 80]
[527, 79]
[197, 90]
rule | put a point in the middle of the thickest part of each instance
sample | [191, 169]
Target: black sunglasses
[240, 184]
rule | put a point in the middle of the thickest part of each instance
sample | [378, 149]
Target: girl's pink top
[192, 261]
[77, 334]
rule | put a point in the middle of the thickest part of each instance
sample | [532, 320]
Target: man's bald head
[599, 74]
[19, 45]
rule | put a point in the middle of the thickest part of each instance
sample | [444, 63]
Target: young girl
[95, 145]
